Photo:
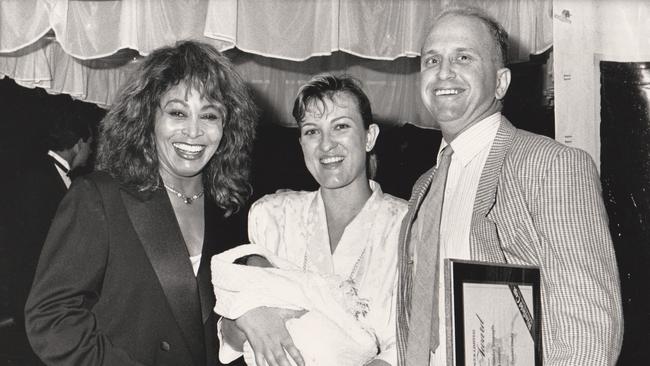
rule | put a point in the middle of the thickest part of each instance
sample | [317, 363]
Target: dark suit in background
[37, 190]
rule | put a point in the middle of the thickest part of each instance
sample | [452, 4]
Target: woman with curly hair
[124, 276]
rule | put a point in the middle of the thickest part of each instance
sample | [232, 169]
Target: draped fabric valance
[78, 47]
[286, 29]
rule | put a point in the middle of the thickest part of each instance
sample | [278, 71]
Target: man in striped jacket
[510, 197]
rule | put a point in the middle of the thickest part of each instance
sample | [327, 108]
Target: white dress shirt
[62, 173]
[471, 149]
[196, 263]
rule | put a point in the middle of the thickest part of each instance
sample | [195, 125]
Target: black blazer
[114, 284]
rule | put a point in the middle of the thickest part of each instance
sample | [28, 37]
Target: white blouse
[293, 226]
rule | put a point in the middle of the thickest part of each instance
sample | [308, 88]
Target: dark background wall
[625, 173]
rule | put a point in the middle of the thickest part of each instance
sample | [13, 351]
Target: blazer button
[165, 346]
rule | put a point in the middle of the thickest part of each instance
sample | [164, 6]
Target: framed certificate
[493, 314]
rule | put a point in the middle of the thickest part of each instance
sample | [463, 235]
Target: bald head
[462, 78]
[497, 33]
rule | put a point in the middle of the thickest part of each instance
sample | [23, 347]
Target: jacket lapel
[417, 196]
[154, 221]
[60, 190]
[484, 241]
[214, 225]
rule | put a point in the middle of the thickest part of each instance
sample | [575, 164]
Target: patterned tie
[423, 321]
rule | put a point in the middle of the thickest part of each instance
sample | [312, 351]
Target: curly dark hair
[127, 149]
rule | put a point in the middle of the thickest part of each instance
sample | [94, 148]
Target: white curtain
[376, 29]
[391, 85]
[95, 29]
[78, 47]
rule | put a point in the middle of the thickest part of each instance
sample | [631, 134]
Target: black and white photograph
[292, 182]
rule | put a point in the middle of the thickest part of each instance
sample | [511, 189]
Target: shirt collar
[59, 159]
[374, 187]
[473, 140]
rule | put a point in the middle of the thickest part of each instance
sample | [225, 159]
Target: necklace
[186, 199]
[356, 305]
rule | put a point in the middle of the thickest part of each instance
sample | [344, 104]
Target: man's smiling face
[460, 80]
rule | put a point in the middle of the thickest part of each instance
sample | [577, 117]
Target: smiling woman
[335, 141]
[334, 250]
[187, 132]
[124, 276]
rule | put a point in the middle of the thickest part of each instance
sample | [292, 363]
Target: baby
[331, 332]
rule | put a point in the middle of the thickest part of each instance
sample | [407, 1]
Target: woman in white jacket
[334, 251]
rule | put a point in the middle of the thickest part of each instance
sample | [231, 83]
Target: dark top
[115, 286]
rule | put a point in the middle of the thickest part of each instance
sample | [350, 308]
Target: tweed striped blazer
[539, 203]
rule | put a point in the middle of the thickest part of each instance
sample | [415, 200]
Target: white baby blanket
[332, 332]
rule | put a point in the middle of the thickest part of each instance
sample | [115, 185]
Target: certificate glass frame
[493, 314]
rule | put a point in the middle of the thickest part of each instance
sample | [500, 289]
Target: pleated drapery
[79, 47]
